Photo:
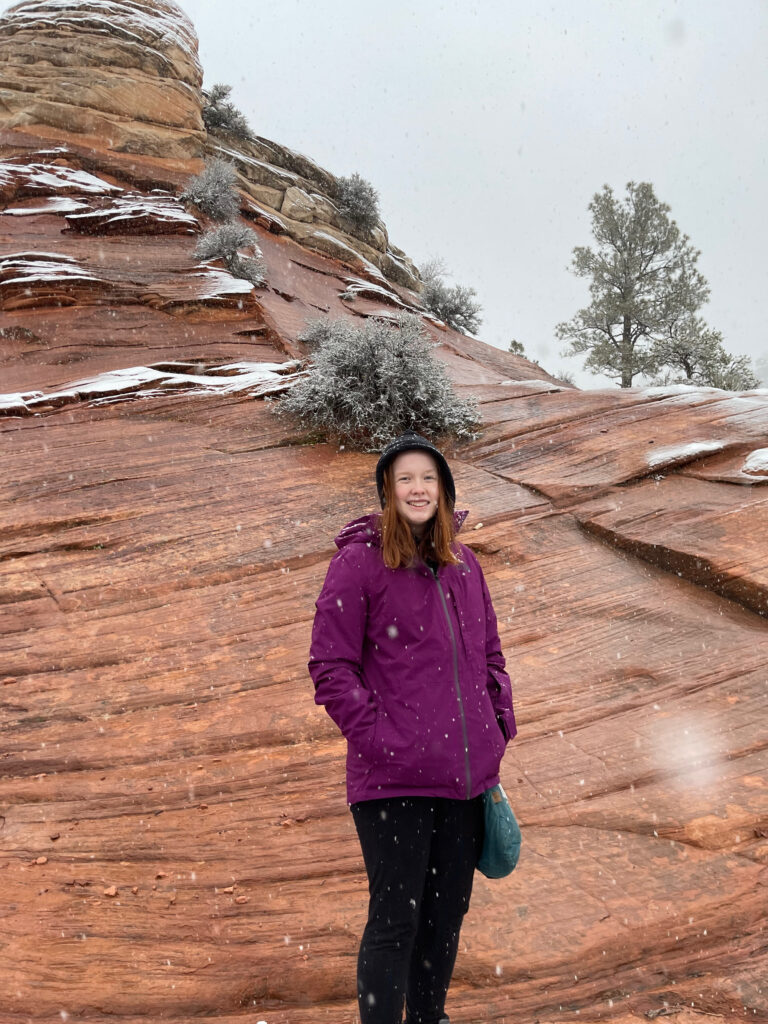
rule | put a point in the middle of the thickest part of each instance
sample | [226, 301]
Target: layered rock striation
[174, 840]
[124, 75]
[124, 72]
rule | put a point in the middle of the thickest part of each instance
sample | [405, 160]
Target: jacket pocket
[390, 741]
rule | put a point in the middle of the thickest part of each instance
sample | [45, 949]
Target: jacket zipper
[467, 772]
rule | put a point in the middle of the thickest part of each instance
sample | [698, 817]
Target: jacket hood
[366, 530]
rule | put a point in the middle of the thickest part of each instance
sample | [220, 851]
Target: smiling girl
[406, 659]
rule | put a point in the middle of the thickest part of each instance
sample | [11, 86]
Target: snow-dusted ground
[57, 184]
[255, 379]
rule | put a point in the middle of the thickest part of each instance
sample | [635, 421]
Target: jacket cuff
[506, 720]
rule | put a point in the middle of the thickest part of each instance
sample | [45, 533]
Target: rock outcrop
[124, 75]
[284, 183]
[123, 72]
[174, 840]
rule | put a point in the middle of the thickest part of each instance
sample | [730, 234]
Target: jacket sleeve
[498, 682]
[335, 655]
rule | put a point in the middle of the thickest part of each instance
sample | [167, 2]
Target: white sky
[487, 127]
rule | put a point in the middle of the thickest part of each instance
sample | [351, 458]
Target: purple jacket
[409, 666]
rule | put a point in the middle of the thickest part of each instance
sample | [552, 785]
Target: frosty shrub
[566, 377]
[221, 117]
[358, 201]
[318, 332]
[238, 248]
[213, 190]
[367, 384]
[455, 306]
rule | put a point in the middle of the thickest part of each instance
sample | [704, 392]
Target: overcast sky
[487, 128]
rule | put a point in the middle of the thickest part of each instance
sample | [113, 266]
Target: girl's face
[417, 488]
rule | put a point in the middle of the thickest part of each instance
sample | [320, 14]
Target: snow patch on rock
[131, 210]
[50, 178]
[756, 463]
[255, 379]
[288, 177]
[690, 390]
[336, 242]
[535, 384]
[368, 290]
[26, 268]
[218, 283]
[675, 454]
[16, 403]
[53, 205]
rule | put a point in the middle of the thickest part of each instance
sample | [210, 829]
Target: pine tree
[643, 283]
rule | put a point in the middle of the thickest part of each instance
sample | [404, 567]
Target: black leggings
[420, 855]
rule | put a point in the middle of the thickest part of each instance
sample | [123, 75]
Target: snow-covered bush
[213, 190]
[367, 384]
[238, 248]
[319, 331]
[220, 116]
[358, 201]
[455, 306]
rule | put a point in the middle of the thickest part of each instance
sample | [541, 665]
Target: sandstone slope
[174, 840]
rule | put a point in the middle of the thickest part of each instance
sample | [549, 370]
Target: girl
[406, 659]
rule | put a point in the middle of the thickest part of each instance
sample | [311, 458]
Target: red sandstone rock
[567, 461]
[696, 528]
[136, 84]
[173, 833]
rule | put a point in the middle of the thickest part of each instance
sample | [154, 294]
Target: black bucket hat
[408, 442]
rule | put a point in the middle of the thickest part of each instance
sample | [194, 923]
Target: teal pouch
[501, 844]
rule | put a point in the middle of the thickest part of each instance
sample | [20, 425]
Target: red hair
[398, 545]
